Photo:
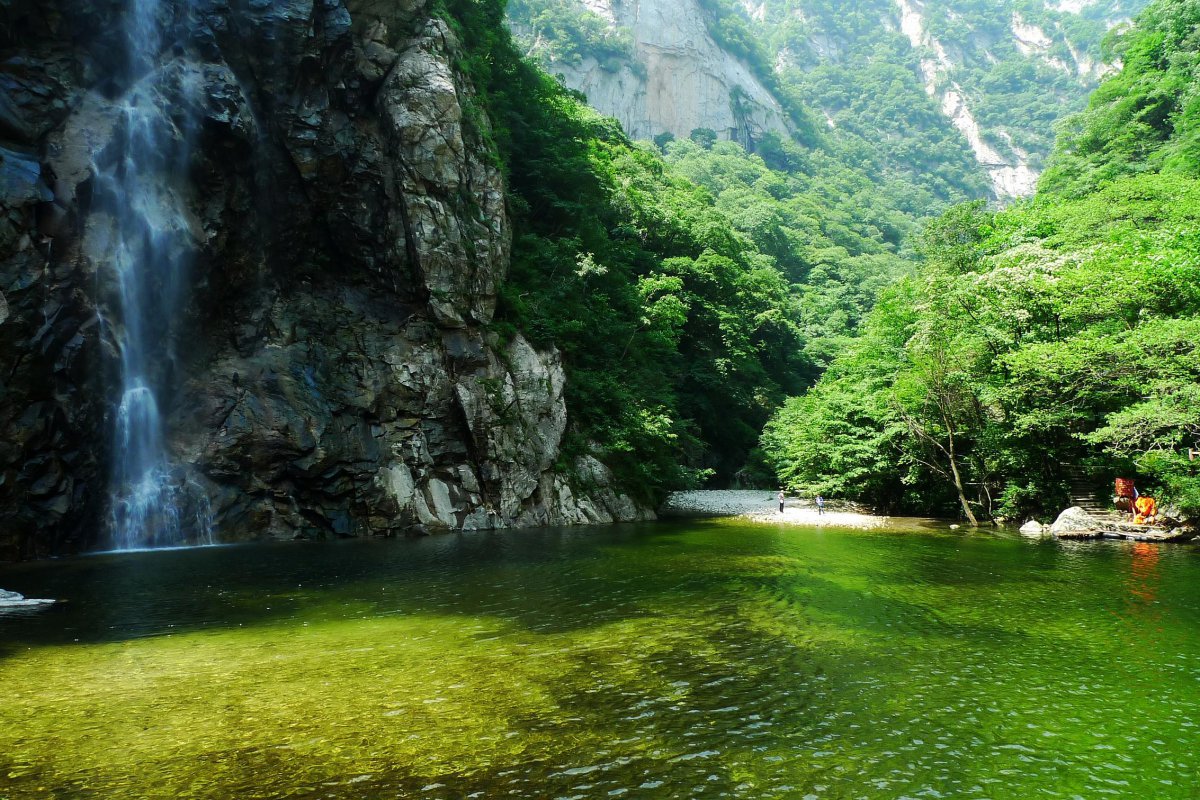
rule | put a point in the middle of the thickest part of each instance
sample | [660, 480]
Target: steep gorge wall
[348, 229]
[1000, 74]
[678, 78]
[974, 62]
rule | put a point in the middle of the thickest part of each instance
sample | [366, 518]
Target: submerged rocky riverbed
[710, 658]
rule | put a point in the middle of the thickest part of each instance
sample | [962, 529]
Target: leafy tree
[1146, 118]
[705, 137]
[1054, 336]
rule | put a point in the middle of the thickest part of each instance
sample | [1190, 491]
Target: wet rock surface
[1034, 529]
[336, 374]
[1077, 523]
[13, 601]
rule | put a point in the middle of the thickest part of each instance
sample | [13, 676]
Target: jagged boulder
[1172, 516]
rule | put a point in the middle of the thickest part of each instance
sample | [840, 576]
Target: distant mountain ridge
[916, 82]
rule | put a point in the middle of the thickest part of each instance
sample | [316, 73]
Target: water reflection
[1143, 573]
[1142, 583]
[690, 660]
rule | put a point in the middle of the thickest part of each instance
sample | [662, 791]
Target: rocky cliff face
[335, 375]
[677, 79]
[1000, 73]
[978, 64]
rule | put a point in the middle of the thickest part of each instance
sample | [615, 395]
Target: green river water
[680, 660]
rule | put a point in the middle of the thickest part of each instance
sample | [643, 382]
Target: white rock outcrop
[1074, 522]
[680, 79]
[1011, 175]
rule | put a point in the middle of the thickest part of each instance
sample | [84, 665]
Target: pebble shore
[761, 506]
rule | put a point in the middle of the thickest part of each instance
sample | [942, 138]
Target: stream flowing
[688, 659]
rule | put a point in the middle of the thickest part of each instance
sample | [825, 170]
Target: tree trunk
[958, 485]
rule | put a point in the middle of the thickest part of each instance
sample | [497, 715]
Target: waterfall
[144, 248]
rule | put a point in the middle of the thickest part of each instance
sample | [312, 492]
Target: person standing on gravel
[780, 498]
[820, 505]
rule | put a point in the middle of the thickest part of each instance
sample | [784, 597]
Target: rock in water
[9, 600]
[1075, 523]
[1033, 528]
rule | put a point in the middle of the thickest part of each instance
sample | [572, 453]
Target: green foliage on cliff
[678, 334]
[855, 64]
[1063, 333]
[1145, 119]
[676, 331]
[864, 80]
[564, 32]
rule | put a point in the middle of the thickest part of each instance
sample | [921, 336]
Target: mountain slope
[903, 87]
[652, 64]
[1053, 341]
[1001, 73]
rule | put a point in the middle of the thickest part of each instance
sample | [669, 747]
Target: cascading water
[145, 242]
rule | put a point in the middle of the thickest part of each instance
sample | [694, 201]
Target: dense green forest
[679, 333]
[691, 285]
[723, 280]
[866, 75]
[1051, 338]
[868, 81]
[979, 362]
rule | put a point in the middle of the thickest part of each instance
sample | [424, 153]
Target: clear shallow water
[701, 659]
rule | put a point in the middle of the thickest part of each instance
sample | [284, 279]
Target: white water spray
[140, 189]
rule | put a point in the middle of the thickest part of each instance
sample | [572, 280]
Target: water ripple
[697, 660]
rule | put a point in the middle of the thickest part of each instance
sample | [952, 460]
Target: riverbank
[759, 505]
[1079, 523]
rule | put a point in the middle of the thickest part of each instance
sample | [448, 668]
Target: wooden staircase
[1083, 493]
[1113, 524]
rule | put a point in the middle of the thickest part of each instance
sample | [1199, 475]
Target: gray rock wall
[336, 374]
[680, 79]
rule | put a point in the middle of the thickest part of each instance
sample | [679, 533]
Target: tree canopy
[1056, 336]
